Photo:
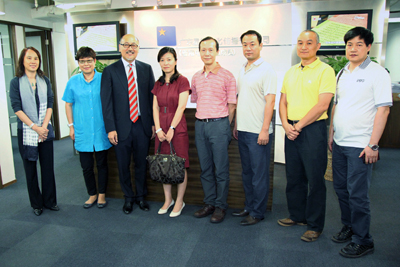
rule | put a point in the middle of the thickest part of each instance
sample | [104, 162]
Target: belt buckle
[165, 109]
[207, 120]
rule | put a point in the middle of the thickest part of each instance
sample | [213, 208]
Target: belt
[209, 120]
[292, 122]
[164, 110]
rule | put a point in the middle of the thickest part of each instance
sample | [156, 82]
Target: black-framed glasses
[126, 45]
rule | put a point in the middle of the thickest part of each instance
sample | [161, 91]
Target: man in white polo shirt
[359, 117]
[256, 98]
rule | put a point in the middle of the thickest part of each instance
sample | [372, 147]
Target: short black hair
[84, 52]
[251, 32]
[210, 38]
[362, 33]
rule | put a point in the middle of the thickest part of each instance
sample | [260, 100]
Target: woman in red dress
[171, 92]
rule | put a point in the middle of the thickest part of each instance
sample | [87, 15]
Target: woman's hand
[161, 136]
[170, 135]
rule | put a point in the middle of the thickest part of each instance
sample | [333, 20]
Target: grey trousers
[212, 141]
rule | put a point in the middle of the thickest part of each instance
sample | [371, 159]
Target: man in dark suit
[127, 110]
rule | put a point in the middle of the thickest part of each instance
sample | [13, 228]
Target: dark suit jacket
[115, 99]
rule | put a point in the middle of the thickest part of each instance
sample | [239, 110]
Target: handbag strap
[171, 149]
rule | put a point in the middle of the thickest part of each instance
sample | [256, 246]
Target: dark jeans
[87, 163]
[255, 172]
[351, 180]
[48, 197]
[136, 144]
[306, 161]
[212, 141]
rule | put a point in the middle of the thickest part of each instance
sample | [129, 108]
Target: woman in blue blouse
[86, 125]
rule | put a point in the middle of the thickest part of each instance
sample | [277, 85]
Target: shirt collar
[312, 65]
[362, 66]
[214, 70]
[257, 63]
[94, 77]
[126, 63]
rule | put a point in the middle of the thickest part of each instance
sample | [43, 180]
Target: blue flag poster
[166, 36]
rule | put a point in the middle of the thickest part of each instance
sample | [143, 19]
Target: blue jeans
[255, 160]
[212, 141]
[351, 180]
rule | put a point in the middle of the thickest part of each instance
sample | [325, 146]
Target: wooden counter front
[194, 192]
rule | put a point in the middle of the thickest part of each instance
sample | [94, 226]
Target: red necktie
[133, 107]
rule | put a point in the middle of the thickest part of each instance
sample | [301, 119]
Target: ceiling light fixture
[134, 3]
[159, 2]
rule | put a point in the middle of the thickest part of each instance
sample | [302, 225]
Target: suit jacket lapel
[139, 80]
[121, 74]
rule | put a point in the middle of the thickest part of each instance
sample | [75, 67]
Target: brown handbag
[166, 169]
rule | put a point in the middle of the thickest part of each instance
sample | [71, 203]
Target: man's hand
[263, 138]
[72, 132]
[235, 132]
[113, 137]
[153, 130]
[291, 132]
[330, 140]
[370, 155]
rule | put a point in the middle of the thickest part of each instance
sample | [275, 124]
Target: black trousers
[47, 197]
[87, 163]
[137, 144]
[306, 161]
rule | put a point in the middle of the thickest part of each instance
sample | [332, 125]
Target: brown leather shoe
[310, 236]
[204, 212]
[289, 222]
[250, 220]
[242, 213]
[218, 215]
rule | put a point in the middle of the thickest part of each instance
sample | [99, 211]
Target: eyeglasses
[83, 62]
[126, 45]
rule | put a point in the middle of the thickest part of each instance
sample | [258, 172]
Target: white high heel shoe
[176, 214]
[161, 211]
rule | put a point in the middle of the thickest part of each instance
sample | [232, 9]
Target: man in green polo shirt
[307, 90]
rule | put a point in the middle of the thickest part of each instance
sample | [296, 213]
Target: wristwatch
[70, 124]
[373, 147]
[172, 127]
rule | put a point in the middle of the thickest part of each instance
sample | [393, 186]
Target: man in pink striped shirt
[214, 91]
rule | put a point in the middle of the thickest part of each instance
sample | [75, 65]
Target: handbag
[166, 169]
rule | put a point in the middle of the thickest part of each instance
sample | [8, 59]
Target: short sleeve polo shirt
[253, 85]
[359, 94]
[213, 92]
[303, 86]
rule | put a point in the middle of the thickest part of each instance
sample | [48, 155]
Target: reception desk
[194, 192]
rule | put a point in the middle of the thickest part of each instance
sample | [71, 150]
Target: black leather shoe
[87, 206]
[128, 207]
[353, 250]
[242, 213]
[54, 208]
[205, 211]
[218, 215]
[250, 220]
[344, 235]
[143, 205]
[37, 211]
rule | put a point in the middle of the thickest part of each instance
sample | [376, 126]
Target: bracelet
[158, 130]
[172, 127]
[70, 124]
[30, 126]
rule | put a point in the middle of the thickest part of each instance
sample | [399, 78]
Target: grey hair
[316, 34]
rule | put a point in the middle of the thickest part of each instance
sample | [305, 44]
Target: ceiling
[394, 4]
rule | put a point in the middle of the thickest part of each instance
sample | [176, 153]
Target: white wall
[393, 51]
[6, 155]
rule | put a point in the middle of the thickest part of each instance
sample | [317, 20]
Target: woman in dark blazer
[32, 101]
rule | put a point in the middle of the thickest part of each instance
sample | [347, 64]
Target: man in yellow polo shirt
[307, 90]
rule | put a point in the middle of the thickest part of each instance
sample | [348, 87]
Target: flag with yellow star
[166, 36]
